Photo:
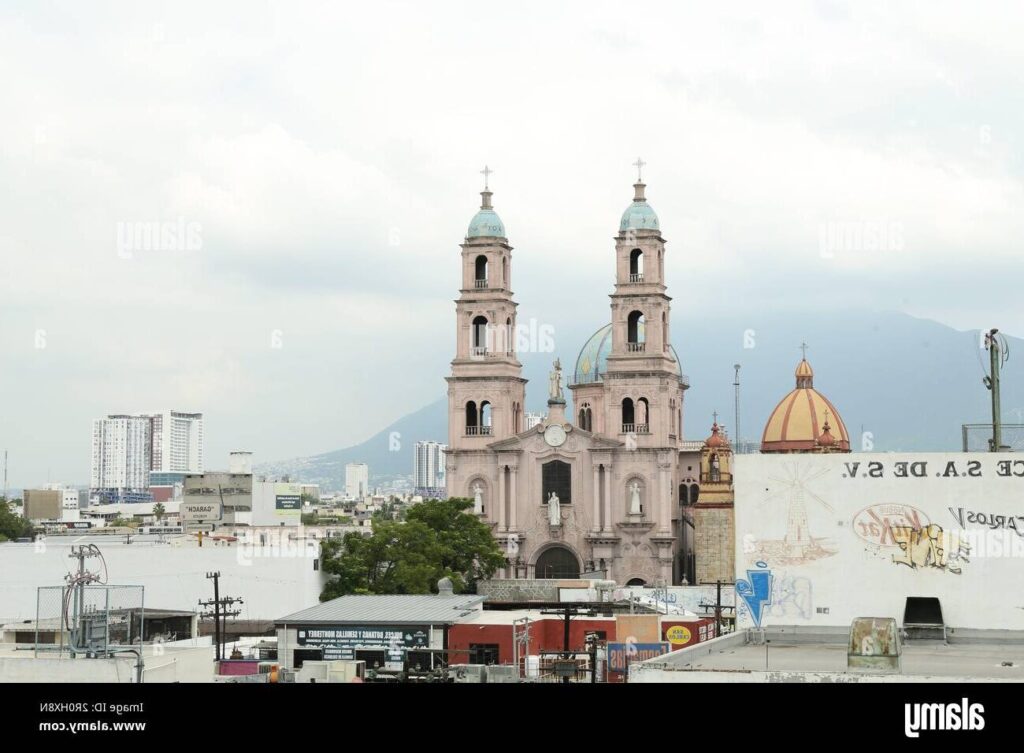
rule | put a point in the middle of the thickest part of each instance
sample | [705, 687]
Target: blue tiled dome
[486, 224]
[592, 362]
[639, 216]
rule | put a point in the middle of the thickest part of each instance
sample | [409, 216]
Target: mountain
[899, 382]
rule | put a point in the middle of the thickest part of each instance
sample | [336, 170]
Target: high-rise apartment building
[177, 442]
[357, 480]
[126, 449]
[121, 453]
[428, 466]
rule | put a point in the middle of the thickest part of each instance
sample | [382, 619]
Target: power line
[221, 611]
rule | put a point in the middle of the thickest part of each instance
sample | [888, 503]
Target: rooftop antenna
[736, 406]
[998, 353]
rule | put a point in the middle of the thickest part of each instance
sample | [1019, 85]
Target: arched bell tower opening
[635, 331]
[636, 265]
[481, 271]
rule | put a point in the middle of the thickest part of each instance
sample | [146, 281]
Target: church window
[480, 335]
[504, 272]
[556, 476]
[643, 418]
[636, 265]
[485, 417]
[472, 425]
[636, 582]
[481, 271]
[586, 417]
[628, 416]
[635, 332]
[557, 562]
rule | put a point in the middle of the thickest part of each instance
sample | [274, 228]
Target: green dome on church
[639, 215]
[592, 362]
[486, 224]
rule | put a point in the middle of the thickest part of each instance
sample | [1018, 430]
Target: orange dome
[804, 420]
[716, 439]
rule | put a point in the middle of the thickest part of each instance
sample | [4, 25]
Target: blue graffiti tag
[756, 591]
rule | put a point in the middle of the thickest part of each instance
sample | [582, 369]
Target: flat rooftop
[924, 658]
[825, 659]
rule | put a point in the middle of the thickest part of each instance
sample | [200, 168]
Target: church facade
[610, 488]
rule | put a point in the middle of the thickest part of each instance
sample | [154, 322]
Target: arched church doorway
[557, 562]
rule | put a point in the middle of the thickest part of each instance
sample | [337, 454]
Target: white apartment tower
[121, 452]
[428, 465]
[177, 442]
[127, 448]
[357, 480]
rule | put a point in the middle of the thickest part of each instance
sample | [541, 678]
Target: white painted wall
[845, 557]
[274, 580]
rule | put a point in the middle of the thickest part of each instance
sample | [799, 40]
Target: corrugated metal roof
[390, 610]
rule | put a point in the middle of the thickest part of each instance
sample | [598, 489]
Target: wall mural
[798, 545]
[905, 535]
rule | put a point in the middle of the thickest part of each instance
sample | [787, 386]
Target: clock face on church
[554, 435]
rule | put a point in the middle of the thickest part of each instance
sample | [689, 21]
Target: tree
[12, 526]
[159, 511]
[437, 539]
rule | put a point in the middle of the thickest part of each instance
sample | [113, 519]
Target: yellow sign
[678, 635]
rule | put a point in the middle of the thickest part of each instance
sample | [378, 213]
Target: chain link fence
[88, 619]
[978, 437]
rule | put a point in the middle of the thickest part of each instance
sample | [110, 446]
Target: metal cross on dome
[639, 165]
[714, 414]
[803, 348]
[486, 172]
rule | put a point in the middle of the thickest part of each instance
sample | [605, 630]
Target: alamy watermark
[859, 236]
[166, 236]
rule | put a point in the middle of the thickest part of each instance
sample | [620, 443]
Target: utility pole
[736, 407]
[78, 581]
[997, 354]
[718, 603]
[220, 613]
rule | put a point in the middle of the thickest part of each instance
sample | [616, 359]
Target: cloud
[330, 160]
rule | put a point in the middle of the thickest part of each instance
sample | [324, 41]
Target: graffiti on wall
[930, 547]
[792, 596]
[755, 592]
[905, 535]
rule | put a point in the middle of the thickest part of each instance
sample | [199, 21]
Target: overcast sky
[325, 161]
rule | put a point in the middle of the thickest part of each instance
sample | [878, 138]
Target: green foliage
[12, 526]
[437, 539]
[159, 510]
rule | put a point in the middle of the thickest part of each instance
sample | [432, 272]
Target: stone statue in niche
[478, 499]
[554, 510]
[634, 499]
